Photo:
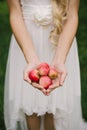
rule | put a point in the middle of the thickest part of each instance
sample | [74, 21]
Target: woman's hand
[62, 73]
[27, 69]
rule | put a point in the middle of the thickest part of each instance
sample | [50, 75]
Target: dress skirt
[20, 97]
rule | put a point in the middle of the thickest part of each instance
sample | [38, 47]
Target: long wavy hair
[60, 14]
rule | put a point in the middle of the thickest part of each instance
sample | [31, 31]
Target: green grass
[82, 44]
[5, 33]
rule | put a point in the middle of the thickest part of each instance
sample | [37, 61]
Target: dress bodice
[40, 11]
[36, 2]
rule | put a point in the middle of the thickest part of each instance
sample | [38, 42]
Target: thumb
[62, 78]
[26, 78]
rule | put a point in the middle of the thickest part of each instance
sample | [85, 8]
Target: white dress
[20, 97]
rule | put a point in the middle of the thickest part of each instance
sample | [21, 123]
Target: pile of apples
[43, 75]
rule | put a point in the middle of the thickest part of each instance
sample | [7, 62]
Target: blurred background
[5, 35]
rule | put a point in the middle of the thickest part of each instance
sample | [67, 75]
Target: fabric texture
[20, 97]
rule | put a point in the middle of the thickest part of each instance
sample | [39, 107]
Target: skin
[25, 42]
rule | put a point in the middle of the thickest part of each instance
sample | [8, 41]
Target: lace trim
[39, 111]
[61, 117]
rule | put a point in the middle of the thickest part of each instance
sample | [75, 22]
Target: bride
[43, 31]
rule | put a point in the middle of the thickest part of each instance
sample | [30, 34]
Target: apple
[34, 75]
[53, 74]
[43, 69]
[45, 81]
[44, 64]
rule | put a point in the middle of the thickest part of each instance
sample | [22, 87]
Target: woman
[43, 31]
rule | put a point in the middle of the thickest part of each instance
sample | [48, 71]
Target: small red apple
[44, 64]
[53, 74]
[45, 81]
[34, 75]
[43, 71]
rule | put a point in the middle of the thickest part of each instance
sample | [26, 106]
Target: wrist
[30, 58]
[60, 55]
[58, 60]
[33, 60]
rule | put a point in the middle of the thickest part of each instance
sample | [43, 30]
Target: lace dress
[20, 97]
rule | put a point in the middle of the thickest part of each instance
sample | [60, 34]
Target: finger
[62, 78]
[48, 92]
[44, 91]
[55, 85]
[26, 78]
[39, 88]
[37, 85]
[52, 87]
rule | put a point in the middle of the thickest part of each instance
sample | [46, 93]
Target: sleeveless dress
[20, 97]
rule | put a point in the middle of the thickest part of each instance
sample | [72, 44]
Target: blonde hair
[59, 10]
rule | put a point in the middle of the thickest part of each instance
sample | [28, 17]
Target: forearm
[69, 31]
[22, 36]
[20, 31]
[66, 39]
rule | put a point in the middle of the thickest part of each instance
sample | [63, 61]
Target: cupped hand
[27, 69]
[62, 73]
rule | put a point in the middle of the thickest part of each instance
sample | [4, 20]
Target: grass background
[5, 34]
